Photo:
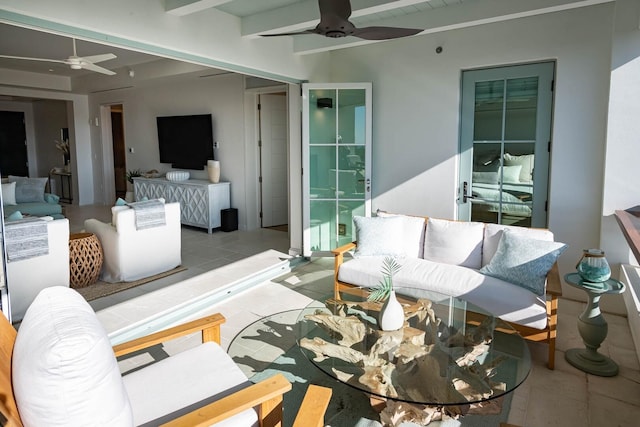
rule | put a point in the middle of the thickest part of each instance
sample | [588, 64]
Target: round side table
[85, 259]
[593, 328]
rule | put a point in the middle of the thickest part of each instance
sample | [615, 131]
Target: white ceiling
[276, 16]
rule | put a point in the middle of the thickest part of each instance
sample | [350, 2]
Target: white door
[273, 159]
[505, 144]
[336, 169]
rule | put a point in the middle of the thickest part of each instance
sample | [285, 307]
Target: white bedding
[489, 197]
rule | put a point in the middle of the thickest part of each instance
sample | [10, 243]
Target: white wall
[416, 101]
[222, 96]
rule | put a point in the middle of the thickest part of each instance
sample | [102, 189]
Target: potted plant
[391, 314]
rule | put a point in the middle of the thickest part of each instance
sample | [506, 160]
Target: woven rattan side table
[85, 259]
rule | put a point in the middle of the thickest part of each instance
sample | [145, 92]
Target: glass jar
[593, 266]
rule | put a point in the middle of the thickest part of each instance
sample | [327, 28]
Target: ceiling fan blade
[32, 59]
[290, 34]
[92, 67]
[384, 33]
[337, 8]
[99, 58]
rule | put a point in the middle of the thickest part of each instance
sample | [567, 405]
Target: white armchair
[59, 369]
[131, 254]
[27, 277]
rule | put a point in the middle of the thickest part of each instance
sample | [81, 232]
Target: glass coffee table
[450, 358]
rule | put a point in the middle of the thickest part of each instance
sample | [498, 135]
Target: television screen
[185, 141]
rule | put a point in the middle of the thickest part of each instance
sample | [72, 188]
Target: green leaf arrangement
[382, 290]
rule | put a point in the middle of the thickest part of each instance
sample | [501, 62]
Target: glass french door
[505, 144]
[336, 155]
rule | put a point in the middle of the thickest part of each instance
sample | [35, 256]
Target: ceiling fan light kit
[334, 23]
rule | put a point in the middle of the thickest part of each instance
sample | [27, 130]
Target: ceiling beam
[187, 7]
[462, 15]
[305, 14]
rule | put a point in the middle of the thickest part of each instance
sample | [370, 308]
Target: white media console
[200, 200]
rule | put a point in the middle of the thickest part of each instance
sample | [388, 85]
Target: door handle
[465, 192]
[368, 185]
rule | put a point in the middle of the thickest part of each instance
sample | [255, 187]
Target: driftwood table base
[425, 361]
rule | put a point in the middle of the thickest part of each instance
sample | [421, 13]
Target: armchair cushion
[183, 382]
[64, 369]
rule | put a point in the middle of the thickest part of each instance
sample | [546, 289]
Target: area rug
[268, 346]
[102, 289]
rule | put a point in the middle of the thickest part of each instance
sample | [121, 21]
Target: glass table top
[448, 352]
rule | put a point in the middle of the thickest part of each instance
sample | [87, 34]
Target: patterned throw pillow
[377, 236]
[523, 261]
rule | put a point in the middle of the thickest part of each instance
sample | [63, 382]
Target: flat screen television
[185, 141]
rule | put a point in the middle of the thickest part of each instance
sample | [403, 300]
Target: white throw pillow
[378, 236]
[526, 161]
[511, 174]
[64, 369]
[9, 194]
[454, 242]
[493, 233]
[412, 233]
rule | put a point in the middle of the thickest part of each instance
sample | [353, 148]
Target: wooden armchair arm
[314, 405]
[267, 395]
[209, 326]
[554, 285]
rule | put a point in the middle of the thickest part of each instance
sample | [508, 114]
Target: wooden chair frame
[266, 395]
[553, 292]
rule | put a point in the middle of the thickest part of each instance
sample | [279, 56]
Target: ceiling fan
[334, 23]
[76, 62]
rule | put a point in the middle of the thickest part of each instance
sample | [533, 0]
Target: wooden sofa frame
[553, 292]
[266, 395]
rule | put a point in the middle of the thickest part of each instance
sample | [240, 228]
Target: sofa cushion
[377, 236]
[64, 369]
[511, 303]
[412, 233]
[29, 190]
[36, 209]
[9, 194]
[454, 242]
[524, 261]
[493, 233]
[173, 385]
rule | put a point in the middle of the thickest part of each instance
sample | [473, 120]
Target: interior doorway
[13, 144]
[273, 160]
[119, 150]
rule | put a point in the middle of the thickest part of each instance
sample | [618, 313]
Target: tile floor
[563, 397]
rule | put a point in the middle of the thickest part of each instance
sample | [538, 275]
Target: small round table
[593, 327]
[85, 259]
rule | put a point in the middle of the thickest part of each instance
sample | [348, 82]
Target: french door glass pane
[520, 116]
[488, 111]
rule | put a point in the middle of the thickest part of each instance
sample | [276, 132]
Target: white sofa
[131, 254]
[27, 277]
[455, 259]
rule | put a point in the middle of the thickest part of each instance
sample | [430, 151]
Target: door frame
[106, 135]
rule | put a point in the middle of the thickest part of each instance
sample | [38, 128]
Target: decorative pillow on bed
[526, 161]
[9, 194]
[377, 236]
[64, 370]
[29, 190]
[454, 242]
[523, 261]
[486, 177]
[412, 233]
[511, 174]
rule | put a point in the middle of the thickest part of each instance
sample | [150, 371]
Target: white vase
[391, 314]
[213, 169]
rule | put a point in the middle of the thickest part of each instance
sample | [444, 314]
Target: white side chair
[131, 254]
[27, 277]
[59, 369]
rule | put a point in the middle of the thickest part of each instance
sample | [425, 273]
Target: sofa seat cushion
[505, 300]
[35, 209]
[172, 386]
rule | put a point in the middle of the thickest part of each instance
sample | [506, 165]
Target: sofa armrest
[209, 326]
[554, 285]
[338, 254]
